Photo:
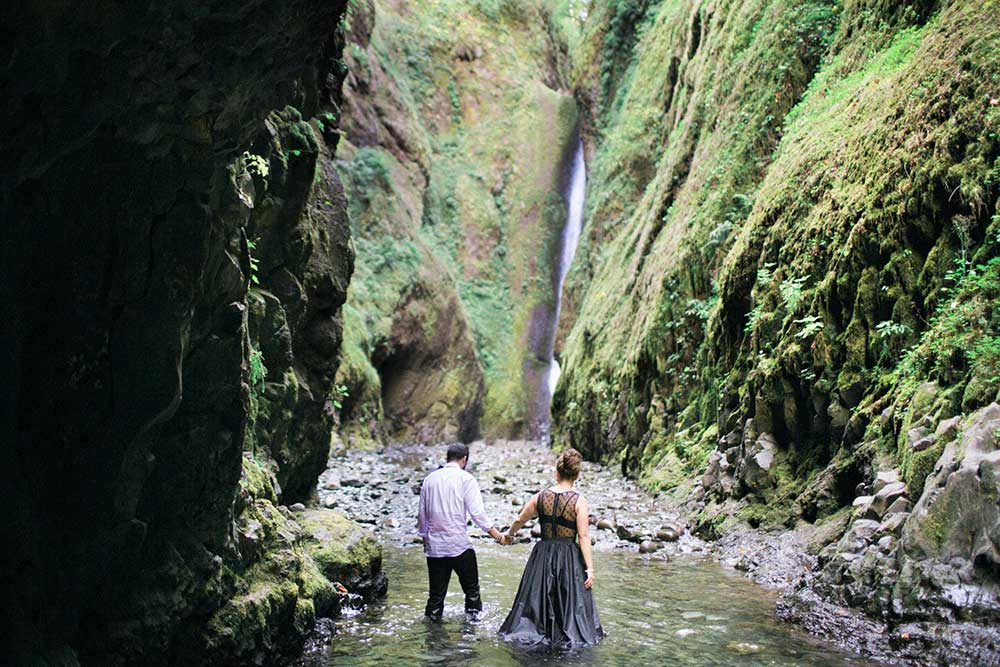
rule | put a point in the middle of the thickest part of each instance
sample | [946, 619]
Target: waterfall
[568, 241]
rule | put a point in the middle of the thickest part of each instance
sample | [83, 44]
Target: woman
[554, 604]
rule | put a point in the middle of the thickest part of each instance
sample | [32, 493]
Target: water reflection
[688, 612]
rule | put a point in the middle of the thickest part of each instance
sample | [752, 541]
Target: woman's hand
[589, 581]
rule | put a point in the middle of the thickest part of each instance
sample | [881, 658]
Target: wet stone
[667, 534]
[892, 523]
[900, 505]
[297, 507]
[886, 496]
[744, 648]
[648, 547]
[883, 478]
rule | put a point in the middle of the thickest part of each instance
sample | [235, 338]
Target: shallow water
[685, 611]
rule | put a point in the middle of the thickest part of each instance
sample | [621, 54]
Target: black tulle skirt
[552, 608]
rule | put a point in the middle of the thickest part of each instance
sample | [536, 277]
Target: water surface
[687, 611]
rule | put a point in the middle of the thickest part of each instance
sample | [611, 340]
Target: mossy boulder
[950, 546]
[344, 552]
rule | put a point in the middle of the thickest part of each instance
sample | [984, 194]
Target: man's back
[447, 496]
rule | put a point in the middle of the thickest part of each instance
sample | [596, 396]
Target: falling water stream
[568, 242]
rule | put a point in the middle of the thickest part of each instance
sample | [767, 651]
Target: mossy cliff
[790, 260]
[456, 132]
[171, 231]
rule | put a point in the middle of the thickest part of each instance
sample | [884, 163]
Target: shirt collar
[452, 464]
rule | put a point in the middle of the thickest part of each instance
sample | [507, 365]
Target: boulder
[919, 437]
[607, 524]
[883, 478]
[898, 506]
[863, 508]
[949, 550]
[892, 523]
[345, 552]
[754, 469]
[947, 428]
[887, 496]
[627, 534]
[649, 546]
[668, 534]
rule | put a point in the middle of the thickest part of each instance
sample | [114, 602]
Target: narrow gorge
[263, 261]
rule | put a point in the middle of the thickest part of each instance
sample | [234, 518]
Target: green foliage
[258, 371]
[255, 165]
[888, 329]
[753, 317]
[811, 325]
[791, 292]
[254, 262]
[340, 393]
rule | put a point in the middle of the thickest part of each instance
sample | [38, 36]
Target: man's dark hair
[457, 452]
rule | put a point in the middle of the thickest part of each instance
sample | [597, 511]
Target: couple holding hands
[554, 605]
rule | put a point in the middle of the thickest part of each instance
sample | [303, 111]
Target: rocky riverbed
[381, 489]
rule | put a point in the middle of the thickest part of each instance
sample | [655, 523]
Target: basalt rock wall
[175, 256]
[786, 294]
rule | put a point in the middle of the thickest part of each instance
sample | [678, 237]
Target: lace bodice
[557, 513]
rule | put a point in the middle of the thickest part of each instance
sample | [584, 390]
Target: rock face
[937, 563]
[457, 211]
[175, 259]
[789, 282]
[746, 315]
[949, 550]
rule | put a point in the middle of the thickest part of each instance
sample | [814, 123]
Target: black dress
[552, 608]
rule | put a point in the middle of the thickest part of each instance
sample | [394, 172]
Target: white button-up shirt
[447, 495]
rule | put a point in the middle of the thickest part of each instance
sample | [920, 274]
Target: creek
[676, 606]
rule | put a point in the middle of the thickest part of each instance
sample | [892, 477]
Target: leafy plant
[340, 393]
[753, 317]
[254, 262]
[255, 165]
[811, 324]
[888, 329]
[258, 371]
[764, 275]
[791, 292]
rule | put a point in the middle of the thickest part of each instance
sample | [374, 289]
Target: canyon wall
[457, 126]
[176, 254]
[786, 297]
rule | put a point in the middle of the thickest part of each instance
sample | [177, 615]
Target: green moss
[872, 184]
[341, 549]
[457, 195]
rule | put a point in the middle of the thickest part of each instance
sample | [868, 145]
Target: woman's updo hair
[568, 464]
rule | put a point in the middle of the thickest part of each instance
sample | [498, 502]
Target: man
[447, 496]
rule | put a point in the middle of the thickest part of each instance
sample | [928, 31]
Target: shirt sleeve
[422, 514]
[474, 504]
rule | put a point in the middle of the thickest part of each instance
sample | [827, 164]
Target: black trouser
[439, 573]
